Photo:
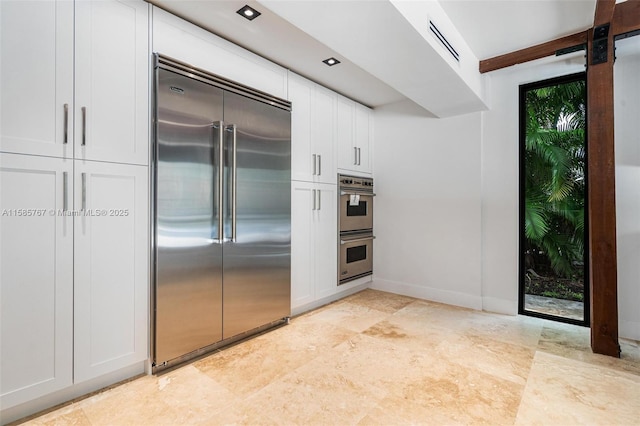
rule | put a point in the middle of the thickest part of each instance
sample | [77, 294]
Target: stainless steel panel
[356, 256]
[257, 288]
[188, 253]
[355, 217]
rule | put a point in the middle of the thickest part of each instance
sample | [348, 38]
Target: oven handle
[356, 240]
[357, 193]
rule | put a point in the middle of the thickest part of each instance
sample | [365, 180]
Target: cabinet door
[347, 155]
[362, 138]
[36, 277]
[323, 135]
[302, 157]
[112, 81]
[302, 243]
[36, 76]
[111, 267]
[326, 241]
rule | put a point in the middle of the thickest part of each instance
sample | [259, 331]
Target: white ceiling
[495, 27]
[489, 27]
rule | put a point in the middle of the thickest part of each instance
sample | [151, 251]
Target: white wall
[627, 134]
[446, 216]
[500, 164]
[427, 212]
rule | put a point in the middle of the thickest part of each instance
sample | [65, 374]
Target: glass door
[553, 194]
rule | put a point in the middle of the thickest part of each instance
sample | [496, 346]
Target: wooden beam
[604, 12]
[602, 203]
[534, 52]
[626, 17]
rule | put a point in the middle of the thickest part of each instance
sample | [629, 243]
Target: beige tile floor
[376, 358]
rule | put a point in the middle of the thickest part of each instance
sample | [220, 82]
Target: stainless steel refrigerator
[222, 212]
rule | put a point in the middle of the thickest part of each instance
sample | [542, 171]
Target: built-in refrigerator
[222, 210]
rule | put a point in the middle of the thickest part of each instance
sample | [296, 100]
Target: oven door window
[358, 210]
[356, 254]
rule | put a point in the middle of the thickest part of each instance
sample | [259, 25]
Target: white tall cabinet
[313, 192]
[74, 155]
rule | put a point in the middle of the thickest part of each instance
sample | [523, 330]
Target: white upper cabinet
[354, 136]
[323, 136]
[108, 119]
[36, 76]
[36, 277]
[112, 81]
[111, 267]
[313, 157]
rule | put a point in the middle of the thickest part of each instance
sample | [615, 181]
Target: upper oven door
[356, 211]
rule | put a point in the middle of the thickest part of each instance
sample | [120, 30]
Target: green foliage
[554, 174]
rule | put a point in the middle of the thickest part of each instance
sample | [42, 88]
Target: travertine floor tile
[253, 364]
[380, 359]
[379, 300]
[351, 316]
[564, 391]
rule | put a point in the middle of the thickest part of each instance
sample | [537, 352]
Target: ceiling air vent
[436, 32]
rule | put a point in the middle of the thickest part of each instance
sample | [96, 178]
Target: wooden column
[601, 184]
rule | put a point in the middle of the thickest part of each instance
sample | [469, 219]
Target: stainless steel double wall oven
[355, 222]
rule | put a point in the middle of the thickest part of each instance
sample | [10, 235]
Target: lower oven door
[356, 257]
[356, 211]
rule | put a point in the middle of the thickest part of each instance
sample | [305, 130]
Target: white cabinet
[36, 76]
[313, 242]
[112, 81]
[74, 233]
[111, 267]
[36, 277]
[354, 134]
[313, 157]
[108, 117]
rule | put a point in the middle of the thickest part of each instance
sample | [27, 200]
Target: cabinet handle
[319, 199]
[66, 124]
[314, 164]
[84, 191]
[355, 156]
[314, 199]
[359, 156]
[84, 126]
[65, 192]
[319, 164]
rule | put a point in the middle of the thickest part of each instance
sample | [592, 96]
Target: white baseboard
[72, 392]
[433, 294]
[326, 300]
[500, 306]
[629, 330]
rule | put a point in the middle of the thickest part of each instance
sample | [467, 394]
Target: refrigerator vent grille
[442, 39]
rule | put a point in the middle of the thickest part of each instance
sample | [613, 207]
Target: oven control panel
[354, 182]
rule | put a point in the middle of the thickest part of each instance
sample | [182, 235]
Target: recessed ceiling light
[248, 12]
[331, 61]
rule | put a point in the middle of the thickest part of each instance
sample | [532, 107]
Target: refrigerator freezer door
[189, 254]
[257, 256]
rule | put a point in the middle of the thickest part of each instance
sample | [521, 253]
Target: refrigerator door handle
[220, 126]
[234, 181]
